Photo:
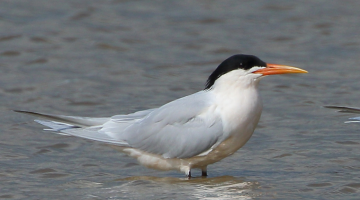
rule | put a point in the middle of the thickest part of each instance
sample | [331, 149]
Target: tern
[345, 109]
[190, 132]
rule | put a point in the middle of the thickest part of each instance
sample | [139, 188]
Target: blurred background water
[101, 58]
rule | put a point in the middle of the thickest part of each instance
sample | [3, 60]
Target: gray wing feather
[179, 129]
[132, 116]
[172, 141]
[93, 133]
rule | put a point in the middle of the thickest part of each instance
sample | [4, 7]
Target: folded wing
[182, 128]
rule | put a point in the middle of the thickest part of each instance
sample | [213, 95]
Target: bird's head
[247, 67]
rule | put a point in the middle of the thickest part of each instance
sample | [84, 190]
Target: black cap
[238, 61]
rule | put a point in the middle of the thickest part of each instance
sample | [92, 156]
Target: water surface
[101, 58]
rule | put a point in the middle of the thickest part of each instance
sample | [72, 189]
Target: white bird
[191, 132]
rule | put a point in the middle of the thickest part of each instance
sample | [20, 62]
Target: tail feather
[76, 121]
[83, 127]
[91, 133]
[55, 126]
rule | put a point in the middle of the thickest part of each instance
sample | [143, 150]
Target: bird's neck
[239, 103]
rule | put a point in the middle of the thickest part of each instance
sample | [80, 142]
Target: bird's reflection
[223, 187]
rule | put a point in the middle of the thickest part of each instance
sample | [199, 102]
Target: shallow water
[100, 58]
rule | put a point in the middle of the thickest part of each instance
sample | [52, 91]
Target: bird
[188, 133]
[344, 109]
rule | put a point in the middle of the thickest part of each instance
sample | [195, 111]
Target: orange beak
[272, 69]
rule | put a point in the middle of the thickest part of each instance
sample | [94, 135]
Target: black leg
[189, 175]
[203, 173]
